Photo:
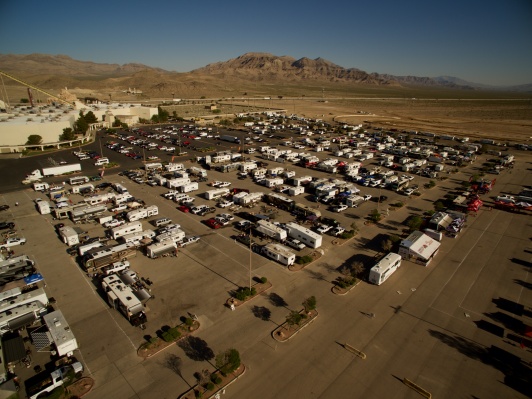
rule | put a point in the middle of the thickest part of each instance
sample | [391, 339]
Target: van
[101, 161]
[161, 222]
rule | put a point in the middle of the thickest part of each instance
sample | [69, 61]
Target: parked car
[184, 208]
[296, 244]
[7, 225]
[337, 231]
[212, 223]
[113, 223]
[339, 208]
[11, 242]
[227, 216]
[4, 207]
[323, 228]
[189, 240]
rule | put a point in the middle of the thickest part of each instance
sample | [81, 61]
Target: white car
[11, 242]
[367, 197]
[62, 204]
[337, 231]
[323, 228]
[113, 223]
[197, 209]
[505, 198]
[215, 183]
[221, 220]
[340, 208]
[225, 204]
[224, 184]
[227, 216]
[119, 208]
[189, 240]
[409, 191]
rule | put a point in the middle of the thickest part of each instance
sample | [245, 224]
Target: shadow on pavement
[516, 372]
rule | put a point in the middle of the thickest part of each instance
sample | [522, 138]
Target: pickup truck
[7, 225]
[42, 384]
[11, 242]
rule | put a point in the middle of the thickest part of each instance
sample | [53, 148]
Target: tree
[117, 123]
[228, 361]
[309, 303]
[90, 117]
[375, 216]
[414, 222]
[439, 206]
[357, 268]
[163, 115]
[34, 139]
[68, 134]
[81, 125]
[295, 318]
[386, 245]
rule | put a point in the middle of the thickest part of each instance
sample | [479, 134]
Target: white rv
[128, 228]
[306, 236]
[143, 213]
[279, 253]
[385, 268]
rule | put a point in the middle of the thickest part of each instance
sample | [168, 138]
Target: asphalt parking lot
[425, 329]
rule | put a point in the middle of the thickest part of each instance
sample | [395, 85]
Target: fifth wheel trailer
[270, 230]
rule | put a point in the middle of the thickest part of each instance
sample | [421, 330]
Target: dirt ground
[505, 120]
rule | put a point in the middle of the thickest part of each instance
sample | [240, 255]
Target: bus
[78, 180]
[384, 268]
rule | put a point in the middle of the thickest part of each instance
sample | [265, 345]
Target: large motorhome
[125, 299]
[385, 268]
[87, 212]
[78, 180]
[96, 260]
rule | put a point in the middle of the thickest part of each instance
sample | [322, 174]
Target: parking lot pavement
[418, 332]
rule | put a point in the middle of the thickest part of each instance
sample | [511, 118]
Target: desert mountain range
[242, 73]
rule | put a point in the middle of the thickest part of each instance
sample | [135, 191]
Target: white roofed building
[419, 248]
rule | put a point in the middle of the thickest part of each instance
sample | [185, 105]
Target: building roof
[441, 219]
[420, 244]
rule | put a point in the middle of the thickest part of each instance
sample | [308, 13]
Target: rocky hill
[268, 67]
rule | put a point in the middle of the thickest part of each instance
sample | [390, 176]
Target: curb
[219, 390]
[298, 330]
[348, 291]
[228, 302]
[167, 346]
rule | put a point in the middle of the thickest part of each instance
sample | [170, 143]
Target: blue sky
[483, 41]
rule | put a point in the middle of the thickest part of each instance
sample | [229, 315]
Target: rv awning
[21, 321]
[14, 349]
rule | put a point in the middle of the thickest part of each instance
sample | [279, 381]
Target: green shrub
[253, 291]
[209, 386]
[263, 280]
[174, 332]
[198, 394]
[301, 260]
[347, 234]
[167, 337]
[189, 321]
[153, 340]
[215, 378]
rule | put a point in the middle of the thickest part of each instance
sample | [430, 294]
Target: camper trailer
[385, 268]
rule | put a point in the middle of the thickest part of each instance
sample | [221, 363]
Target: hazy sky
[483, 41]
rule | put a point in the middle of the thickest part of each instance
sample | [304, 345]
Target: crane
[7, 75]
